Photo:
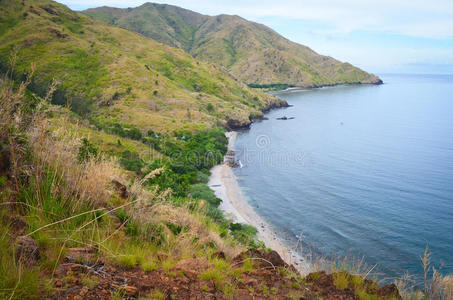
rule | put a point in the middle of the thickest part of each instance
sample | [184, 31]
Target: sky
[379, 36]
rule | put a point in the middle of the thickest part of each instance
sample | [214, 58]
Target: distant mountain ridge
[252, 52]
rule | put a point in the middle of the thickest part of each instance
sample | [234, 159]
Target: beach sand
[236, 207]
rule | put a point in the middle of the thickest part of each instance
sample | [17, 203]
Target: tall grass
[435, 286]
[17, 281]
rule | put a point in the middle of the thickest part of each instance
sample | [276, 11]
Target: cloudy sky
[381, 36]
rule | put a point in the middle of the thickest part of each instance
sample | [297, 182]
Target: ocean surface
[361, 170]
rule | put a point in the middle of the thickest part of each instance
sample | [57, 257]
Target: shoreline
[236, 207]
[310, 88]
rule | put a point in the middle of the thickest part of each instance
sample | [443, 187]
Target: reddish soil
[77, 278]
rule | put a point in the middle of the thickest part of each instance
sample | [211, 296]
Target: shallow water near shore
[361, 170]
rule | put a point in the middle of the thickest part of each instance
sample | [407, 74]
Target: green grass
[341, 280]
[219, 273]
[17, 281]
[157, 294]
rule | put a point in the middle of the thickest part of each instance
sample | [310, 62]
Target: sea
[358, 171]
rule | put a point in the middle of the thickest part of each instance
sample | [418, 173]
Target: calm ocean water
[360, 170]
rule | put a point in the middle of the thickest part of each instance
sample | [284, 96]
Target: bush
[202, 191]
[121, 215]
[132, 228]
[131, 161]
[215, 214]
[255, 115]
[87, 151]
[134, 133]
[210, 107]
[202, 177]
[244, 233]
[3, 180]
[274, 86]
[176, 229]
[152, 232]
[118, 129]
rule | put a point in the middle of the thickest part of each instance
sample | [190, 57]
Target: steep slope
[252, 52]
[115, 75]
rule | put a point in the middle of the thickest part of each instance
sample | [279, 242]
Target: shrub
[255, 115]
[3, 180]
[121, 215]
[210, 107]
[118, 129]
[152, 232]
[202, 191]
[176, 229]
[134, 133]
[244, 233]
[132, 228]
[202, 177]
[86, 151]
[131, 161]
[215, 214]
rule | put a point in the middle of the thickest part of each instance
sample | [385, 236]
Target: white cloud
[331, 27]
[432, 18]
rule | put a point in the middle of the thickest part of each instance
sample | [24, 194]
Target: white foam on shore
[236, 207]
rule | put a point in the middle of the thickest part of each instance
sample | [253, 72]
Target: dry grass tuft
[58, 150]
[447, 283]
[196, 234]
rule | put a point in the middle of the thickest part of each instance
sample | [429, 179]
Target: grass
[349, 272]
[149, 265]
[221, 273]
[17, 281]
[157, 294]
[90, 281]
[341, 280]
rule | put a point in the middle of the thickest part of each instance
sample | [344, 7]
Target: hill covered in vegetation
[252, 52]
[117, 76]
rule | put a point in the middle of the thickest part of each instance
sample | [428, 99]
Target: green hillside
[114, 75]
[252, 52]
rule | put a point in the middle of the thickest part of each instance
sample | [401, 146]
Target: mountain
[118, 76]
[252, 52]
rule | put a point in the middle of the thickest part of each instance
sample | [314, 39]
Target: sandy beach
[236, 207]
